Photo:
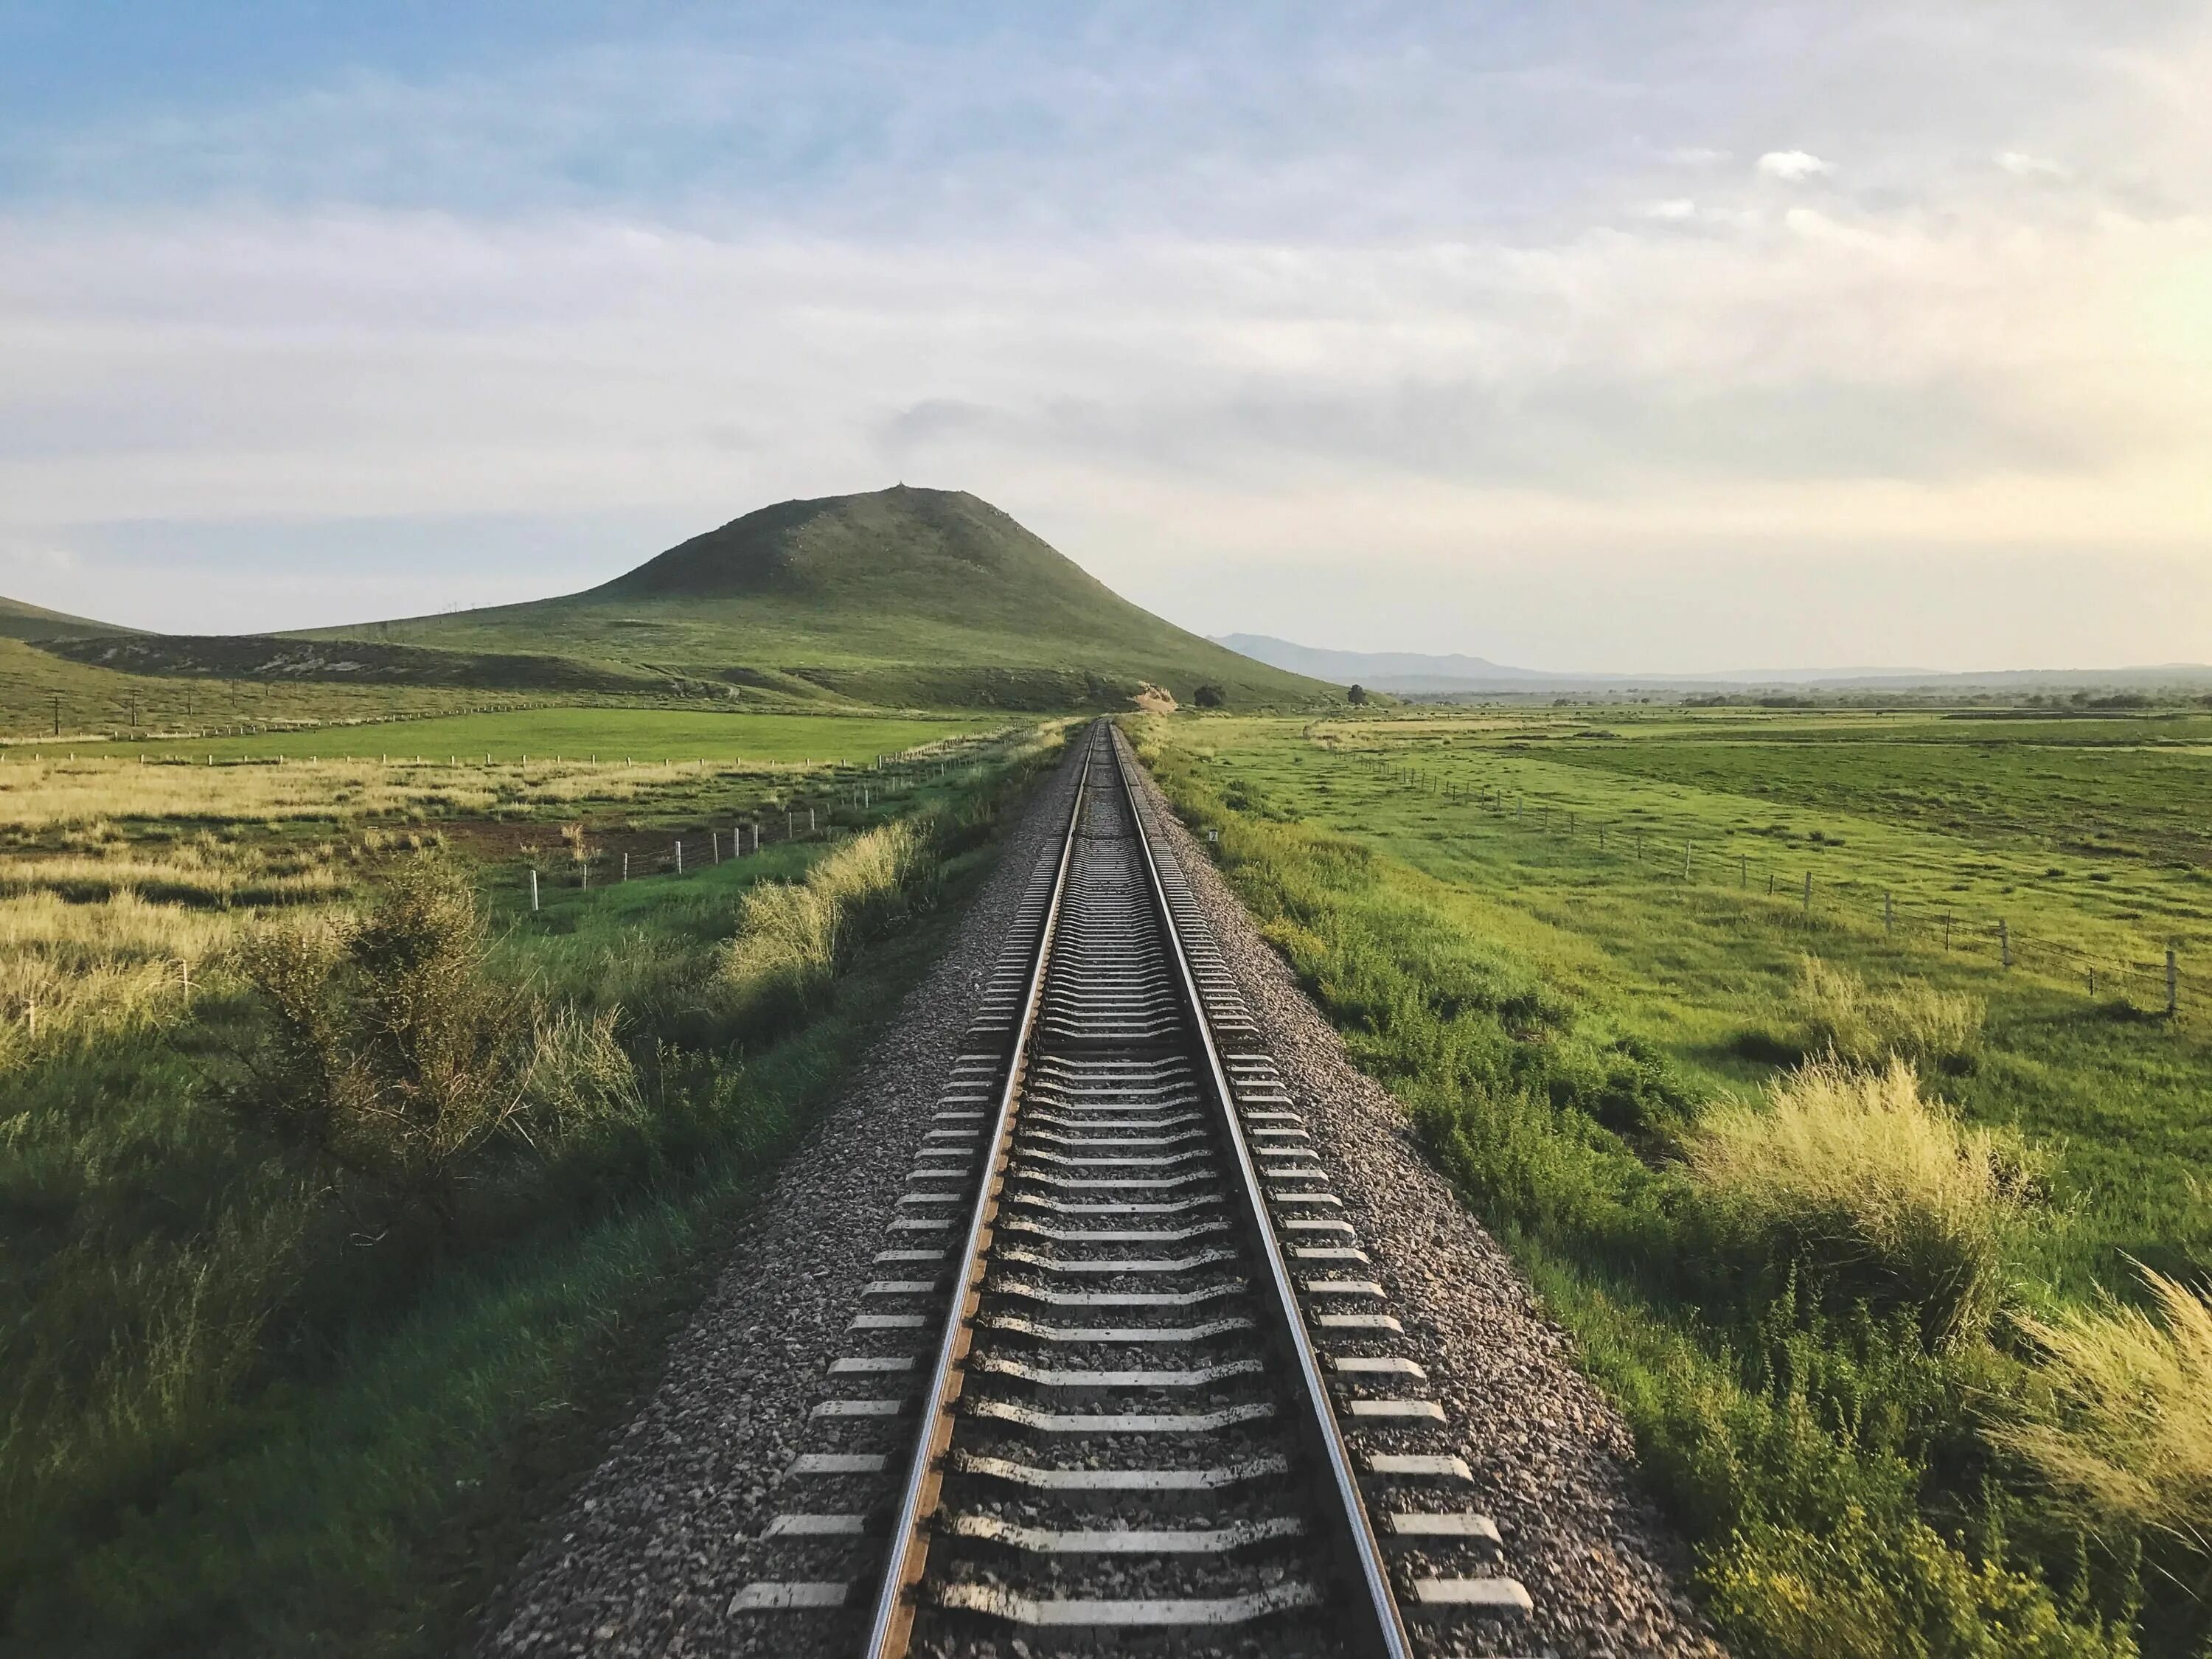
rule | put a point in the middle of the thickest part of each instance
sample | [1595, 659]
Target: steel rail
[892, 1623]
[1366, 1551]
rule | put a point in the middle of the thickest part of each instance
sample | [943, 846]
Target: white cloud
[1206, 305]
[1791, 166]
[366, 364]
[2021, 165]
[33, 561]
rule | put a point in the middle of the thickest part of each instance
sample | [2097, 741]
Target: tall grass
[792, 936]
[1870, 1189]
[2129, 1447]
[1837, 1013]
[72, 973]
[201, 873]
[580, 1083]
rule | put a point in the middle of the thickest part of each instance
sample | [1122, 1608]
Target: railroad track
[1129, 1383]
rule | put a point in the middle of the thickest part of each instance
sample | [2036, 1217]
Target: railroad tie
[1159, 1257]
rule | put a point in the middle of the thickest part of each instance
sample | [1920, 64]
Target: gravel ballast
[646, 1557]
[654, 1544]
[1551, 1456]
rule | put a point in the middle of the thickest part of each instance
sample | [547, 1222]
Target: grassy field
[345, 1193]
[578, 734]
[1584, 1030]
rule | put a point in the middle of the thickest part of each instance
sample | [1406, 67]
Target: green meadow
[574, 734]
[1578, 943]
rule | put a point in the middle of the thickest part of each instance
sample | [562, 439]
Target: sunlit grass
[1871, 1187]
[1784, 1272]
[206, 1265]
[2128, 1447]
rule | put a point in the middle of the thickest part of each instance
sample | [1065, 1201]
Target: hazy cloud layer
[1573, 324]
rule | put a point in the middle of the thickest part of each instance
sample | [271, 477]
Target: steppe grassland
[1563, 1020]
[173, 1273]
[574, 733]
[117, 876]
[1701, 968]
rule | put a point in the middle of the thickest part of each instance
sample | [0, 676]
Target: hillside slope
[900, 596]
[18, 621]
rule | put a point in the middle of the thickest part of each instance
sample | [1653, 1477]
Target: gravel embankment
[654, 1544]
[1550, 1456]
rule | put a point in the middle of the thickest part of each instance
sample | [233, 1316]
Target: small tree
[1210, 696]
[1357, 696]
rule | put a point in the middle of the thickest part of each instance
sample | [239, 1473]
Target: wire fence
[2144, 977]
[841, 798]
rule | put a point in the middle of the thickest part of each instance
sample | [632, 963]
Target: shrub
[1837, 1012]
[1210, 696]
[1865, 1589]
[387, 1051]
[1869, 1188]
[2129, 1451]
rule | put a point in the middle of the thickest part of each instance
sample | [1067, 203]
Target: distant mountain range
[1417, 673]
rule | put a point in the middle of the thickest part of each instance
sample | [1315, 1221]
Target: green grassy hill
[18, 621]
[279, 660]
[901, 597]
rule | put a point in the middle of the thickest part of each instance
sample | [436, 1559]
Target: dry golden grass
[71, 971]
[2130, 1452]
[1869, 1185]
[206, 876]
[40, 794]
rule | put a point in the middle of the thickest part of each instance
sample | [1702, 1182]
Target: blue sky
[1582, 336]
